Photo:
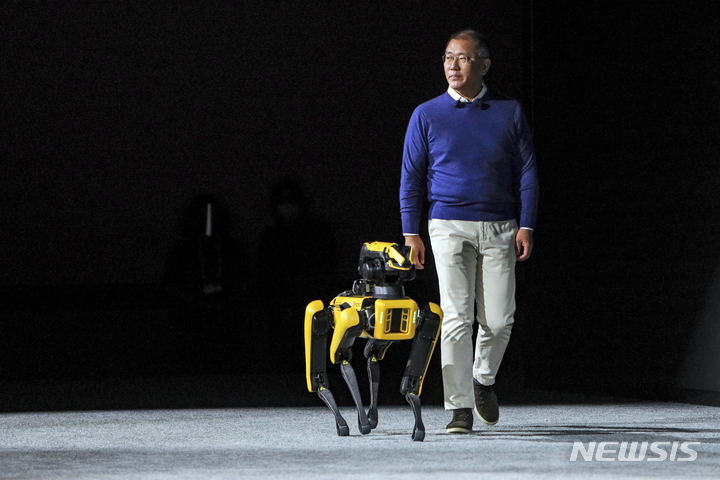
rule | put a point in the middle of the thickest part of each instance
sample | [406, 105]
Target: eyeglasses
[449, 59]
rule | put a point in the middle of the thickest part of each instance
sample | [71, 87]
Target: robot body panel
[388, 319]
[422, 349]
[376, 309]
[396, 319]
[348, 327]
[341, 302]
[316, 330]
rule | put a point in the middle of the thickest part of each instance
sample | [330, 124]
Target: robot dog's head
[384, 262]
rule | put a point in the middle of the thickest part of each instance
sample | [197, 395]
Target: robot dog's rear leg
[418, 434]
[374, 352]
[426, 334]
[374, 375]
[317, 326]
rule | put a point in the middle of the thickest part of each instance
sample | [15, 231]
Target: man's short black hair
[481, 42]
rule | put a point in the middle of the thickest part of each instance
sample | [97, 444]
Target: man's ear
[485, 65]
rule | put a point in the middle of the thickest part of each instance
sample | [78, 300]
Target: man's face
[465, 79]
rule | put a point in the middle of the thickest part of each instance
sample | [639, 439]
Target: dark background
[117, 114]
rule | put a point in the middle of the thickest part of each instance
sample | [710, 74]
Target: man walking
[471, 154]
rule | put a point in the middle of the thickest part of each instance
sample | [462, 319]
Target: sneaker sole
[457, 430]
[477, 414]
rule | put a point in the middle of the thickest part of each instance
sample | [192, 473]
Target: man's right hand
[419, 248]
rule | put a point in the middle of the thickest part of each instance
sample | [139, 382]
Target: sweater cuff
[410, 226]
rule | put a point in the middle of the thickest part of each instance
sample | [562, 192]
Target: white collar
[456, 96]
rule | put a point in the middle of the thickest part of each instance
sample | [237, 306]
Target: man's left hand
[523, 244]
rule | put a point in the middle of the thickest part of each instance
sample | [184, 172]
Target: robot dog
[376, 309]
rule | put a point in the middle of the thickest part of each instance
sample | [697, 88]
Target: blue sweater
[474, 163]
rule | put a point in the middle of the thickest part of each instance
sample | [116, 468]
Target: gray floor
[298, 443]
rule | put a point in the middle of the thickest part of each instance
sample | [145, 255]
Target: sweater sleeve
[526, 174]
[413, 178]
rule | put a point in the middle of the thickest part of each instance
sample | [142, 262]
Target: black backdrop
[119, 111]
[116, 113]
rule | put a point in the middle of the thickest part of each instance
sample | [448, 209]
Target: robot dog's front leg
[318, 323]
[426, 335]
[347, 328]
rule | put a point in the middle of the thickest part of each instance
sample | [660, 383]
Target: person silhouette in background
[295, 263]
[204, 275]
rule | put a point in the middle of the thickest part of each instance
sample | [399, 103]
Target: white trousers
[475, 264]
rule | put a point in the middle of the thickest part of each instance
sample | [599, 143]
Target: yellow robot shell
[435, 308]
[346, 319]
[395, 319]
[397, 260]
[355, 302]
[310, 310]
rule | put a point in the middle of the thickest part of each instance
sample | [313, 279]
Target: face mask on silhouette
[289, 212]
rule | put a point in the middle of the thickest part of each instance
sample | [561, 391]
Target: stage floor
[530, 442]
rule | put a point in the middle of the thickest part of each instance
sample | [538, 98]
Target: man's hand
[419, 248]
[523, 244]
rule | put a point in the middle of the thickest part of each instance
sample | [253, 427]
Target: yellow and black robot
[376, 309]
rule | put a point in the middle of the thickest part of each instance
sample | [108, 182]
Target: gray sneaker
[462, 421]
[486, 404]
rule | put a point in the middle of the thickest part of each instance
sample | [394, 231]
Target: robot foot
[372, 415]
[418, 434]
[349, 375]
[326, 396]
